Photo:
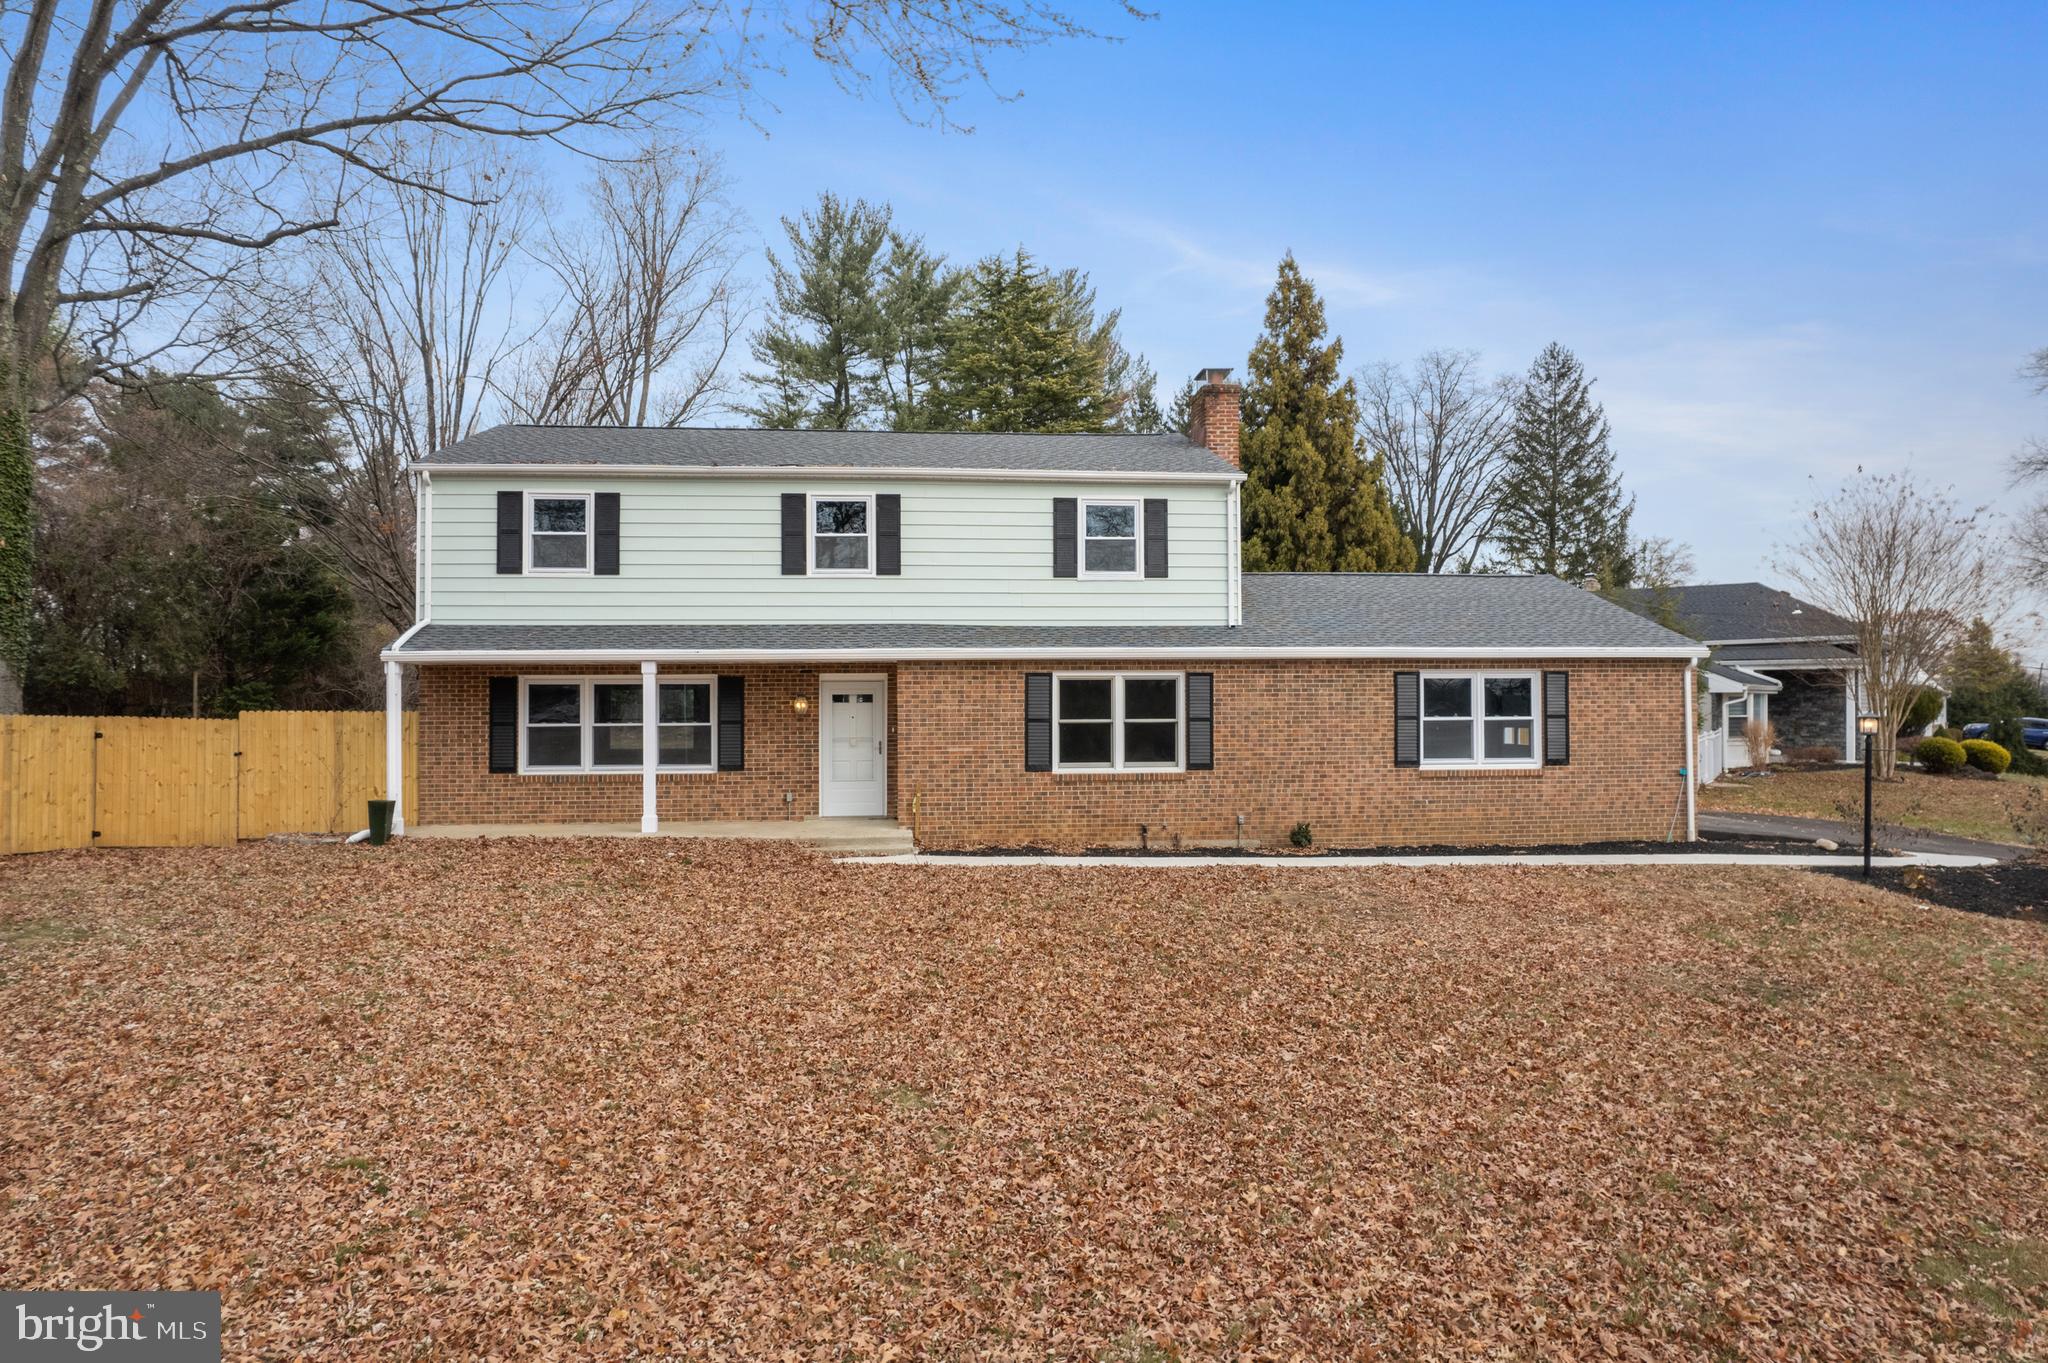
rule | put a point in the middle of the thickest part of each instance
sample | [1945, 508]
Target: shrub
[1926, 705]
[1941, 755]
[1816, 752]
[1949, 731]
[1759, 738]
[2009, 734]
[1301, 836]
[1985, 755]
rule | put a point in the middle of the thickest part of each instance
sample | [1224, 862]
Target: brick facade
[457, 786]
[1295, 741]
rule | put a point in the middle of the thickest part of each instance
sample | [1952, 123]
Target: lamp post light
[1866, 724]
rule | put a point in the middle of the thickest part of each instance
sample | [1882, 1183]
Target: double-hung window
[843, 535]
[1479, 719]
[1110, 532]
[558, 532]
[1117, 721]
[572, 724]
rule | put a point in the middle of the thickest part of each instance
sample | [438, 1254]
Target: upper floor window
[558, 532]
[843, 535]
[1479, 719]
[1117, 721]
[1110, 531]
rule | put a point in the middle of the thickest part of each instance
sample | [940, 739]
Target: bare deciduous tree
[1444, 430]
[648, 310]
[2030, 466]
[151, 150]
[1906, 567]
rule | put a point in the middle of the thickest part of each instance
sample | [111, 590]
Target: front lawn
[2010, 809]
[656, 1099]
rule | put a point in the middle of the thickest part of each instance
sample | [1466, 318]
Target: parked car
[2033, 731]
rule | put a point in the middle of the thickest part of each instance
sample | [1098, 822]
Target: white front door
[853, 746]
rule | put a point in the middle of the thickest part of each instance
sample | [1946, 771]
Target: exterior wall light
[802, 705]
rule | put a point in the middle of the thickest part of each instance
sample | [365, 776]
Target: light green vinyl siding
[709, 550]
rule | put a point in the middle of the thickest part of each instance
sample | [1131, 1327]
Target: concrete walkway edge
[1312, 863]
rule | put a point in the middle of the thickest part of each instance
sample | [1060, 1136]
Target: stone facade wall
[1809, 712]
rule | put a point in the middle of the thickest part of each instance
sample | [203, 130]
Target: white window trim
[1137, 505]
[811, 534]
[587, 715]
[1117, 765]
[527, 532]
[1478, 720]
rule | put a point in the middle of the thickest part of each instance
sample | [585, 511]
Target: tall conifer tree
[1562, 508]
[1023, 352]
[822, 351]
[1313, 501]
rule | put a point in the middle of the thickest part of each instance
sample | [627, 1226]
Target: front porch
[844, 836]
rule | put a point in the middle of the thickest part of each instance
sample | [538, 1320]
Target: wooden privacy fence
[124, 782]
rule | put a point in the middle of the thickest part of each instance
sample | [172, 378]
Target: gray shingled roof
[1742, 676]
[739, 448]
[1763, 655]
[1750, 610]
[1281, 611]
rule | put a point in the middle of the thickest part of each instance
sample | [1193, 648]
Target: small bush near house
[1926, 705]
[1759, 738]
[1818, 752]
[1942, 755]
[1949, 731]
[1301, 836]
[1985, 755]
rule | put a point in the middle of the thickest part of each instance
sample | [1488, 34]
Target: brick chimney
[1216, 412]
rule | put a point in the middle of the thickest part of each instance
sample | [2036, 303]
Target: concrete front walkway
[1366, 863]
[879, 836]
[1850, 836]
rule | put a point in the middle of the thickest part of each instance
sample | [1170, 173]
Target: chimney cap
[1214, 374]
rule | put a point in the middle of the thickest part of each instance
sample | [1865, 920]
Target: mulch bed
[2014, 889]
[1708, 844]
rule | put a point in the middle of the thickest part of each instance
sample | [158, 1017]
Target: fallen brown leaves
[654, 1099]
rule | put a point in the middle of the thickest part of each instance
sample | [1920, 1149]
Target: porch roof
[1734, 679]
[1285, 615]
[1804, 654]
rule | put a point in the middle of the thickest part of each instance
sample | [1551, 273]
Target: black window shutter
[1065, 546]
[607, 555]
[1038, 720]
[795, 543]
[732, 723]
[511, 514]
[889, 535]
[1155, 537]
[1201, 721]
[504, 742]
[1557, 719]
[1407, 719]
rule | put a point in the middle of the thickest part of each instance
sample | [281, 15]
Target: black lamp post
[1866, 725]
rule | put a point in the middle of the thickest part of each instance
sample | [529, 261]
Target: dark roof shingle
[1384, 611]
[704, 447]
[1748, 610]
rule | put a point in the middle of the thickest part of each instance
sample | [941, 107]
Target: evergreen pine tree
[1312, 501]
[918, 293]
[1022, 352]
[823, 348]
[1562, 508]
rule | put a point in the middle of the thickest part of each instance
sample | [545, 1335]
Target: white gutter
[1787, 639]
[1234, 577]
[391, 654]
[816, 471]
[887, 655]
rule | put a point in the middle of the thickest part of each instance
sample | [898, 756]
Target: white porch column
[650, 745]
[394, 744]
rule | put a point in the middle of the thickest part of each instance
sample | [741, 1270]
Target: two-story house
[1005, 639]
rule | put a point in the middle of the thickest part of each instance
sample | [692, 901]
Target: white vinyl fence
[1713, 755]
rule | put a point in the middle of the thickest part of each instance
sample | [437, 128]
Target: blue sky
[1786, 241]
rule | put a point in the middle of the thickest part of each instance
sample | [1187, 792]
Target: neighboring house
[1775, 658]
[999, 640]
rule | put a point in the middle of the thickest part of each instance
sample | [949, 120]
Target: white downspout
[1692, 753]
[1233, 576]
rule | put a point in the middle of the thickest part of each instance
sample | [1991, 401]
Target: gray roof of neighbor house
[1786, 655]
[1747, 610]
[1742, 676]
[737, 448]
[1384, 613]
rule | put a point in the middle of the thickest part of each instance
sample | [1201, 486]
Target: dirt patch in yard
[648, 1099]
